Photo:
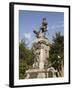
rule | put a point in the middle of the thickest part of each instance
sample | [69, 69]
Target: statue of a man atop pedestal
[43, 27]
[42, 30]
[42, 42]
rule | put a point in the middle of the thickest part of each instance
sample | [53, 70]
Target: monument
[41, 48]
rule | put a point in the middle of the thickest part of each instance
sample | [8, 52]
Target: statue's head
[44, 19]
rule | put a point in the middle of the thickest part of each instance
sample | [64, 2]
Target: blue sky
[30, 20]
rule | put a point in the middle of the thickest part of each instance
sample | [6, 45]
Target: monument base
[37, 73]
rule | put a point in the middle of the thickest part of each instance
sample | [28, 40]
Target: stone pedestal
[40, 67]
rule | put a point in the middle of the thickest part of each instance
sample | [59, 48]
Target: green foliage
[57, 52]
[25, 59]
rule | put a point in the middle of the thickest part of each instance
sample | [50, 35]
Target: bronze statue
[44, 25]
[42, 30]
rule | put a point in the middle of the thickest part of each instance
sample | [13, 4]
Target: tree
[57, 53]
[25, 59]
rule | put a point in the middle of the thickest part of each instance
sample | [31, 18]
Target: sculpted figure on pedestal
[43, 29]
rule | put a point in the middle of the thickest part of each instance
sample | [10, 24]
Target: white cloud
[56, 26]
[27, 35]
[28, 39]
